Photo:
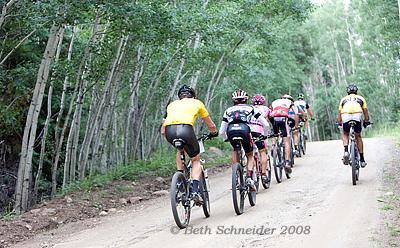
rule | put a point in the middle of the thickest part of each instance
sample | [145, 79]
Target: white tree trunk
[25, 165]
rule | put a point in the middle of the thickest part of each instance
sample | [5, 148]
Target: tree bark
[25, 165]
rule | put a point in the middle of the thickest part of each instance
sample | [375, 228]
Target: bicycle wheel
[180, 202]
[277, 164]
[252, 193]
[268, 172]
[257, 171]
[353, 163]
[205, 195]
[291, 157]
[238, 188]
[303, 145]
[300, 143]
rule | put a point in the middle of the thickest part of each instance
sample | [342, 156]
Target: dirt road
[318, 207]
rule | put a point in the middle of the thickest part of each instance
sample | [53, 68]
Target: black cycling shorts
[186, 133]
[261, 144]
[240, 130]
[280, 123]
[357, 127]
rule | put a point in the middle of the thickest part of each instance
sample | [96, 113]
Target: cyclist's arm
[339, 117]
[302, 112]
[210, 124]
[163, 128]
[265, 124]
[366, 115]
[311, 113]
[296, 116]
[222, 130]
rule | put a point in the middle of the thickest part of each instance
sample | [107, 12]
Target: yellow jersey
[352, 104]
[184, 111]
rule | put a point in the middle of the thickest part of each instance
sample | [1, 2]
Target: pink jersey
[255, 125]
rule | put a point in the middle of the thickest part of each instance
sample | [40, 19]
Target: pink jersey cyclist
[255, 125]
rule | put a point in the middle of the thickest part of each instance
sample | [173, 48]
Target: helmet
[258, 99]
[351, 89]
[288, 97]
[186, 91]
[240, 96]
[300, 96]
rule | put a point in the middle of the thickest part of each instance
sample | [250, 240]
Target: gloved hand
[261, 137]
[212, 135]
[366, 123]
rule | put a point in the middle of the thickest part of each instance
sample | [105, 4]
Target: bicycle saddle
[178, 143]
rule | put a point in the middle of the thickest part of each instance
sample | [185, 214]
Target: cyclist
[306, 107]
[235, 124]
[291, 122]
[280, 111]
[256, 129]
[178, 124]
[352, 107]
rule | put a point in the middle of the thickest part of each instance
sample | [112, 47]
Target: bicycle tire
[291, 157]
[304, 147]
[258, 171]
[277, 164]
[268, 172]
[238, 188]
[205, 195]
[180, 202]
[253, 194]
[353, 163]
[300, 143]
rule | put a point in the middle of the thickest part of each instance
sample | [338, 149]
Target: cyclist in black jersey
[235, 123]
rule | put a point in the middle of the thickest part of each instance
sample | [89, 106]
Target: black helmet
[300, 96]
[186, 91]
[351, 89]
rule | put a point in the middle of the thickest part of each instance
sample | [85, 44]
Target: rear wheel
[303, 144]
[238, 188]
[268, 172]
[291, 161]
[353, 159]
[277, 158]
[300, 143]
[180, 202]
[204, 194]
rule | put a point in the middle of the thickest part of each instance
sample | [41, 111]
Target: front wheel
[204, 192]
[238, 188]
[180, 202]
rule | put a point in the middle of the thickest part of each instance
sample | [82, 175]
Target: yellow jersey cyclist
[178, 124]
[306, 108]
[235, 123]
[351, 108]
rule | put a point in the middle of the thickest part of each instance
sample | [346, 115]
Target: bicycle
[279, 158]
[354, 158]
[257, 163]
[182, 186]
[239, 188]
[302, 141]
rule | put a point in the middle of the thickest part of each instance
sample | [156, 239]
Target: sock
[346, 148]
[250, 173]
[195, 186]
[287, 162]
[179, 180]
[296, 147]
[362, 157]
